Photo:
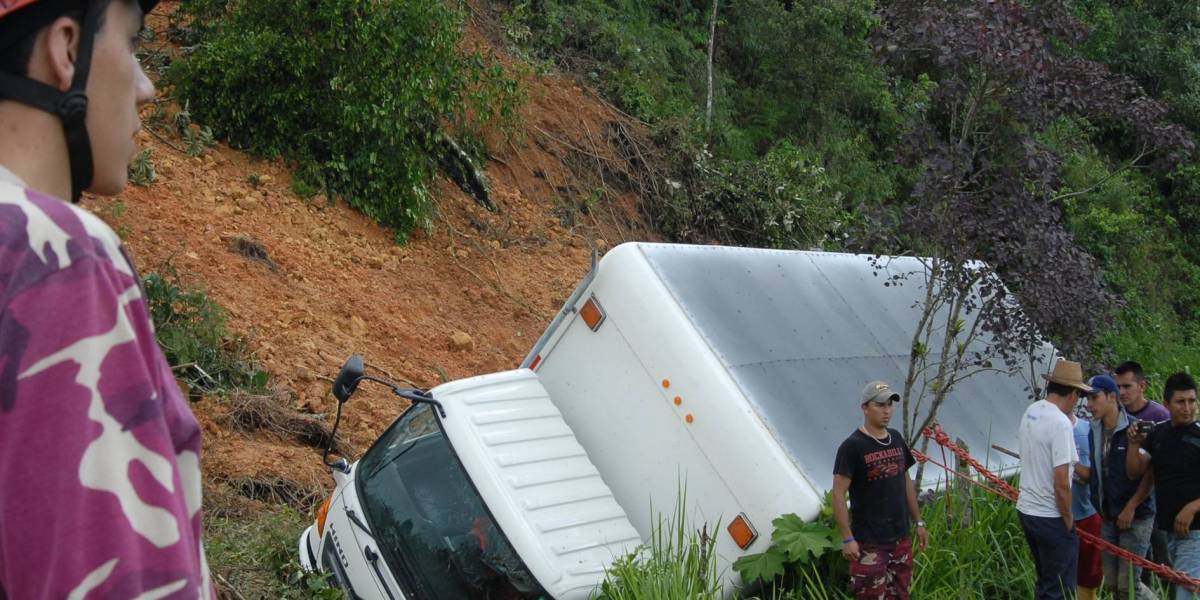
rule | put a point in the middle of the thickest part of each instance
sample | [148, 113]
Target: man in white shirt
[1044, 506]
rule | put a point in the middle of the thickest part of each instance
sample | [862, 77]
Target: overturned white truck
[732, 372]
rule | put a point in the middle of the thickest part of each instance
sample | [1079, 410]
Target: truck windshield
[429, 521]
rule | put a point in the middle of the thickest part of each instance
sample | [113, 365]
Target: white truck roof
[543, 491]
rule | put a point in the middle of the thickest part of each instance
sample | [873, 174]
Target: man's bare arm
[841, 516]
[1062, 493]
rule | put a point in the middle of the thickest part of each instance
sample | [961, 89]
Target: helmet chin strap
[71, 107]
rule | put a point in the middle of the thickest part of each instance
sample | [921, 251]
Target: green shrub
[192, 332]
[783, 200]
[357, 92]
[796, 547]
[141, 169]
[976, 551]
[801, 73]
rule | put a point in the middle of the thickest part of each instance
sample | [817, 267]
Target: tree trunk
[712, 37]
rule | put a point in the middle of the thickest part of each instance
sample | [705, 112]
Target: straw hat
[1068, 373]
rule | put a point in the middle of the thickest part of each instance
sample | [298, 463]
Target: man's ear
[60, 42]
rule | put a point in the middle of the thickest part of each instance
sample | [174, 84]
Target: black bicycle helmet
[20, 18]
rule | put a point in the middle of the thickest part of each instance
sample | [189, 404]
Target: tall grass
[252, 554]
[977, 551]
[678, 563]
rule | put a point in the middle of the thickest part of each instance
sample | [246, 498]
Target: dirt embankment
[469, 295]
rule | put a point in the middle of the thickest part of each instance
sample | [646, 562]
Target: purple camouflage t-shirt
[99, 452]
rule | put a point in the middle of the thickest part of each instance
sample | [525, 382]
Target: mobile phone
[1143, 427]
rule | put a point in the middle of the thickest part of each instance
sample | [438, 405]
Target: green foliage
[1155, 42]
[977, 549]
[141, 169]
[795, 544]
[192, 332]
[678, 563]
[797, 547]
[1119, 215]
[648, 56]
[197, 139]
[257, 555]
[1144, 227]
[803, 542]
[764, 566]
[356, 92]
[792, 72]
[784, 200]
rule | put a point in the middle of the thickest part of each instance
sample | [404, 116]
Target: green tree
[357, 92]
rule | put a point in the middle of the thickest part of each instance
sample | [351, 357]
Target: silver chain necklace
[868, 434]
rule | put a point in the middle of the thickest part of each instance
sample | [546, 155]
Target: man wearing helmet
[99, 452]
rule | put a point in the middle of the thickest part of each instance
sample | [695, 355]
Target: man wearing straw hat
[1048, 454]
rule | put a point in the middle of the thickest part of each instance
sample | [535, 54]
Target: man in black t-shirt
[872, 464]
[1172, 452]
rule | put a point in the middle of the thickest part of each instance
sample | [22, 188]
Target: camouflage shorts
[882, 571]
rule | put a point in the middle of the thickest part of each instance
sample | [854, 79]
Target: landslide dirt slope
[469, 295]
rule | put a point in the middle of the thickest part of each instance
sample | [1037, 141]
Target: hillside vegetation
[1082, 114]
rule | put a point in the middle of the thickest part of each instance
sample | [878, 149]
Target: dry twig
[229, 586]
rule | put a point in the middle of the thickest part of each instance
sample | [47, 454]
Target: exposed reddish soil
[469, 295]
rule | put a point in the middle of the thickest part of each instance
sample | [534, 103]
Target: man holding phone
[1125, 503]
[1171, 452]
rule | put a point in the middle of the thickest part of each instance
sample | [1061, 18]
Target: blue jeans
[1136, 539]
[1185, 556]
[1055, 554]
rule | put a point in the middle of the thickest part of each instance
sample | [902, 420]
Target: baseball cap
[1104, 383]
[879, 392]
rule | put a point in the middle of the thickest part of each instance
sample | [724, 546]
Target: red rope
[1003, 489]
[925, 459]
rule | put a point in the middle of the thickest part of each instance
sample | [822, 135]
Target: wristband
[848, 540]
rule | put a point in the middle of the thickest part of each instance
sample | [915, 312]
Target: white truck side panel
[609, 385]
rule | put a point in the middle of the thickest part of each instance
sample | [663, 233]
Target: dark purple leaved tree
[988, 191]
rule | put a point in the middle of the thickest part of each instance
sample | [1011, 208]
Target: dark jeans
[1055, 552]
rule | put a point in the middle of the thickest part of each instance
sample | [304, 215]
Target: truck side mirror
[348, 378]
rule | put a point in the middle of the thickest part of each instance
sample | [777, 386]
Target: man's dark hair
[1131, 366]
[1059, 389]
[1179, 382]
[14, 59]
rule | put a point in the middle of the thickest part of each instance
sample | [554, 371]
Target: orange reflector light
[591, 313]
[537, 360]
[689, 419]
[678, 400]
[666, 383]
[322, 513]
[742, 532]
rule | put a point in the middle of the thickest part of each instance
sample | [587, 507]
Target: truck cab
[495, 500]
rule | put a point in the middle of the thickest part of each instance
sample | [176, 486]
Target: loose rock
[461, 342]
